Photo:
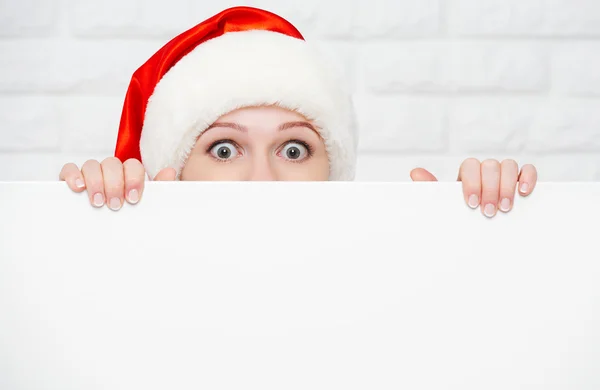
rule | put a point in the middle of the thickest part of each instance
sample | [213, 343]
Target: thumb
[420, 174]
[167, 174]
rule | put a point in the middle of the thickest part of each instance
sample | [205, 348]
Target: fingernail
[489, 210]
[79, 183]
[115, 204]
[524, 187]
[134, 196]
[473, 201]
[98, 200]
[505, 204]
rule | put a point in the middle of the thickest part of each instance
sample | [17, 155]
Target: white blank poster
[299, 286]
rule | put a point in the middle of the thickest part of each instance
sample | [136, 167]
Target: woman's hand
[490, 184]
[110, 182]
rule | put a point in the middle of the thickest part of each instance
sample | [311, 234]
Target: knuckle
[112, 161]
[470, 161]
[90, 163]
[68, 170]
[509, 163]
[490, 162]
[132, 163]
[69, 167]
[113, 184]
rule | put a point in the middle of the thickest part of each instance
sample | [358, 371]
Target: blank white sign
[299, 286]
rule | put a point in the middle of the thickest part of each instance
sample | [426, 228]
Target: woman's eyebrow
[290, 125]
[243, 129]
[234, 126]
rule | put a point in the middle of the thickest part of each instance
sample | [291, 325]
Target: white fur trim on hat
[242, 69]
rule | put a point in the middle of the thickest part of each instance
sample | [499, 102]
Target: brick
[28, 123]
[396, 18]
[341, 57]
[488, 17]
[443, 67]
[566, 125]
[88, 123]
[490, 124]
[572, 17]
[402, 67]
[131, 18]
[497, 67]
[67, 66]
[518, 17]
[576, 69]
[391, 124]
[27, 18]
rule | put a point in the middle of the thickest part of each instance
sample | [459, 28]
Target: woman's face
[259, 144]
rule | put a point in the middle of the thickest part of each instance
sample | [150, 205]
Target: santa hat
[238, 58]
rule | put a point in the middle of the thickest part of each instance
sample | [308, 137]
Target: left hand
[490, 184]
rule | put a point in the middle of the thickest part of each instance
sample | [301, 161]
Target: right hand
[111, 182]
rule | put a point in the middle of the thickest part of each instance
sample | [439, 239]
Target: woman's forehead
[267, 119]
[262, 113]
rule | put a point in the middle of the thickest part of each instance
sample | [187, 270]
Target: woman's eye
[294, 151]
[224, 151]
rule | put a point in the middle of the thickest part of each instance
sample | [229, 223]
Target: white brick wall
[435, 81]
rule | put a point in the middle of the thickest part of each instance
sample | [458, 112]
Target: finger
[490, 187]
[527, 179]
[167, 174]
[134, 180]
[420, 174]
[73, 177]
[470, 176]
[114, 183]
[92, 176]
[509, 174]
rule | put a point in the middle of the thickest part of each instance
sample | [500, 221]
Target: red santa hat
[238, 58]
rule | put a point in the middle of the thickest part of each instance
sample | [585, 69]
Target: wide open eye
[224, 151]
[294, 151]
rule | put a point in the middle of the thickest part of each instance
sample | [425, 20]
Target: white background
[292, 286]
[435, 81]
